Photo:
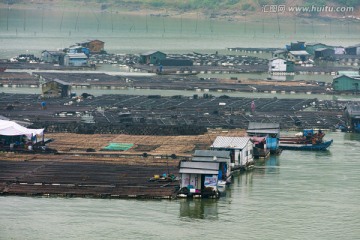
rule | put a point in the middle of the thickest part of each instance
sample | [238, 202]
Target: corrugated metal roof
[230, 142]
[212, 153]
[211, 156]
[265, 131]
[199, 167]
[349, 73]
[76, 55]
[197, 171]
[322, 49]
[263, 126]
[301, 52]
[61, 82]
[351, 77]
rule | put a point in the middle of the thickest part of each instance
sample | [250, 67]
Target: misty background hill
[207, 7]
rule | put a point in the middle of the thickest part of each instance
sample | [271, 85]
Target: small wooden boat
[308, 141]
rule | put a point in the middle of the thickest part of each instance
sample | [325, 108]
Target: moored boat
[307, 140]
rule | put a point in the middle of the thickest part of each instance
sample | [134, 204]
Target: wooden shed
[76, 59]
[298, 56]
[311, 47]
[95, 46]
[152, 57]
[56, 57]
[56, 88]
[346, 83]
[324, 53]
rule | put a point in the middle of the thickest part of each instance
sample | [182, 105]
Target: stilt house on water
[241, 151]
[205, 174]
[270, 131]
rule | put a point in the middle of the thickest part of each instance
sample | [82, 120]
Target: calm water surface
[297, 195]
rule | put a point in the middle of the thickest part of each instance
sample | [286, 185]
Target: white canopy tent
[9, 128]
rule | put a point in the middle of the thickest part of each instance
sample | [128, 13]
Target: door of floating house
[241, 150]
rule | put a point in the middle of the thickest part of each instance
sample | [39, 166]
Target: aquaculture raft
[66, 176]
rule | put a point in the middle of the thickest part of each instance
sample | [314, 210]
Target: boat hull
[306, 147]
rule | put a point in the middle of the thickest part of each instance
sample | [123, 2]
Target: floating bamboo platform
[75, 172]
[83, 176]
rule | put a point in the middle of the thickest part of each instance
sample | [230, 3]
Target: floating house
[280, 65]
[311, 47]
[206, 173]
[324, 53]
[241, 151]
[55, 57]
[346, 83]
[353, 50]
[76, 59]
[199, 178]
[352, 116]
[152, 57]
[298, 56]
[94, 46]
[56, 88]
[270, 131]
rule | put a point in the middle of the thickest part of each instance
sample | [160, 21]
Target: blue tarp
[272, 143]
